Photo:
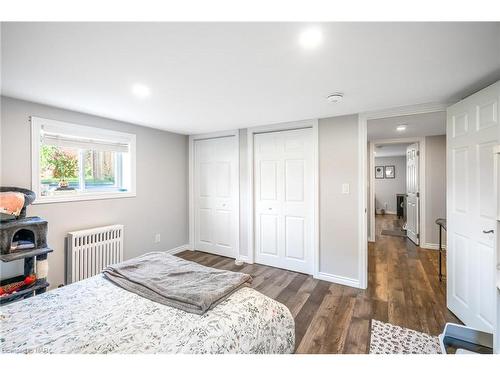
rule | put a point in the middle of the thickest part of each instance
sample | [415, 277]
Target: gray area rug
[395, 233]
[387, 338]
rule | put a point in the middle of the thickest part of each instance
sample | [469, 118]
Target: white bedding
[95, 316]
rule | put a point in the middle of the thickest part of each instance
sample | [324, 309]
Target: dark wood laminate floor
[403, 289]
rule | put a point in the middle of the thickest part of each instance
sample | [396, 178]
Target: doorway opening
[406, 194]
[407, 177]
[390, 191]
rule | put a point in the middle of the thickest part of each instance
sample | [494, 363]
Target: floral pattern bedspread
[95, 316]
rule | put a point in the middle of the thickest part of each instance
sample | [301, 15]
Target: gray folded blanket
[175, 282]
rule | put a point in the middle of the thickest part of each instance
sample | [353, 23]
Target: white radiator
[91, 250]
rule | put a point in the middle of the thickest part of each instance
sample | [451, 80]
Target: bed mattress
[95, 316]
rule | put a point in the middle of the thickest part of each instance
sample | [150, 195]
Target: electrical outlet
[157, 238]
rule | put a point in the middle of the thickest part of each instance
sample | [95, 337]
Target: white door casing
[284, 199]
[216, 198]
[413, 193]
[472, 134]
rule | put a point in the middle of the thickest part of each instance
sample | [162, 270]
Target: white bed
[95, 316]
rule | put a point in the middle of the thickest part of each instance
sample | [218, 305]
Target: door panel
[294, 180]
[487, 115]
[294, 237]
[486, 182]
[205, 227]
[460, 266]
[486, 280]
[222, 225]
[215, 168]
[268, 243]
[223, 176]
[284, 199]
[413, 193]
[460, 165]
[205, 185]
[472, 133]
[268, 178]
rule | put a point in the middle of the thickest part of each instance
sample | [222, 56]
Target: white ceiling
[389, 150]
[425, 124]
[215, 76]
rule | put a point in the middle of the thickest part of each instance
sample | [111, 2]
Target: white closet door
[472, 133]
[412, 193]
[284, 199]
[215, 170]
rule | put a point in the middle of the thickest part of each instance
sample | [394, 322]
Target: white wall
[387, 188]
[338, 159]
[161, 204]
[338, 164]
[435, 186]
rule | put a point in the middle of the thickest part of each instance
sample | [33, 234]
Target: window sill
[82, 197]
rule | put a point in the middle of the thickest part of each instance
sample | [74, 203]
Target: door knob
[488, 231]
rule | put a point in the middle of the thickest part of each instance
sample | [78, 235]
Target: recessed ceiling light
[311, 38]
[401, 128]
[140, 90]
[335, 98]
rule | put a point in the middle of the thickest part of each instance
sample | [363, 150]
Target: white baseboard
[431, 246]
[178, 249]
[338, 279]
[244, 259]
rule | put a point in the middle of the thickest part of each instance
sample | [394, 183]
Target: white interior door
[472, 131]
[284, 199]
[413, 193]
[215, 195]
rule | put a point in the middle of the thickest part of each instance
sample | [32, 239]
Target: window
[74, 162]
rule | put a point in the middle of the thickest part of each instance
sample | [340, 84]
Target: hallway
[405, 277]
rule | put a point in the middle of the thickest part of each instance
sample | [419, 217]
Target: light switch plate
[345, 188]
[157, 238]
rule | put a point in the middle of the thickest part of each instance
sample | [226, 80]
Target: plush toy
[11, 204]
[14, 287]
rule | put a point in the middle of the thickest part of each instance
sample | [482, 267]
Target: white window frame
[83, 131]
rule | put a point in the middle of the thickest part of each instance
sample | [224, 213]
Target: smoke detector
[335, 97]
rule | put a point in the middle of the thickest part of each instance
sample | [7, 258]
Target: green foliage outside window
[60, 163]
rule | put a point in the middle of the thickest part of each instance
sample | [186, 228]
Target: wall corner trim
[339, 279]
[245, 259]
[432, 246]
[178, 249]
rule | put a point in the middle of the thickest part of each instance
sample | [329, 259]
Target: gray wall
[387, 188]
[338, 164]
[435, 185]
[338, 158]
[162, 171]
